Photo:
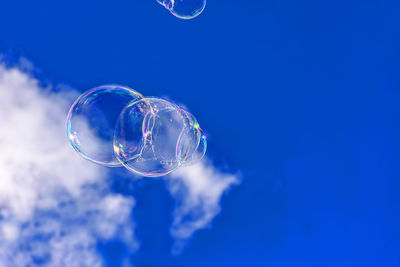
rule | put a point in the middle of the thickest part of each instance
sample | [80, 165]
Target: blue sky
[300, 98]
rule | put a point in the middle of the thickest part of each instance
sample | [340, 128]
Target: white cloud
[54, 205]
[198, 190]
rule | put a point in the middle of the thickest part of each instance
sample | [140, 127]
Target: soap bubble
[184, 9]
[114, 125]
[146, 136]
[200, 151]
[189, 138]
[91, 122]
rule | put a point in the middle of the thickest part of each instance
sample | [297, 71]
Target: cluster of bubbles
[114, 125]
[184, 9]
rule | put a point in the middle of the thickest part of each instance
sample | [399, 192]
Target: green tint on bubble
[184, 9]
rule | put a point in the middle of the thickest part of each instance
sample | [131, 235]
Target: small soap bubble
[189, 138]
[146, 136]
[199, 152]
[184, 9]
[91, 122]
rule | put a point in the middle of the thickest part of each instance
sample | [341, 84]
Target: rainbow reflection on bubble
[114, 125]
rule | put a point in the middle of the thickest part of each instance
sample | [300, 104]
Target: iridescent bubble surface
[146, 136]
[199, 153]
[189, 138]
[184, 9]
[114, 125]
[91, 122]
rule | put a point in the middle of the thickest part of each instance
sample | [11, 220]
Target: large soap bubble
[184, 9]
[91, 122]
[115, 125]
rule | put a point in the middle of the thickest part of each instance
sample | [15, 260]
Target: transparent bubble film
[91, 122]
[184, 9]
[114, 125]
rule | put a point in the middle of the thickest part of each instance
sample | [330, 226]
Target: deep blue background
[302, 97]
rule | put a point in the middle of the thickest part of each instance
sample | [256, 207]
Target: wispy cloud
[197, 190]
[54, 206]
